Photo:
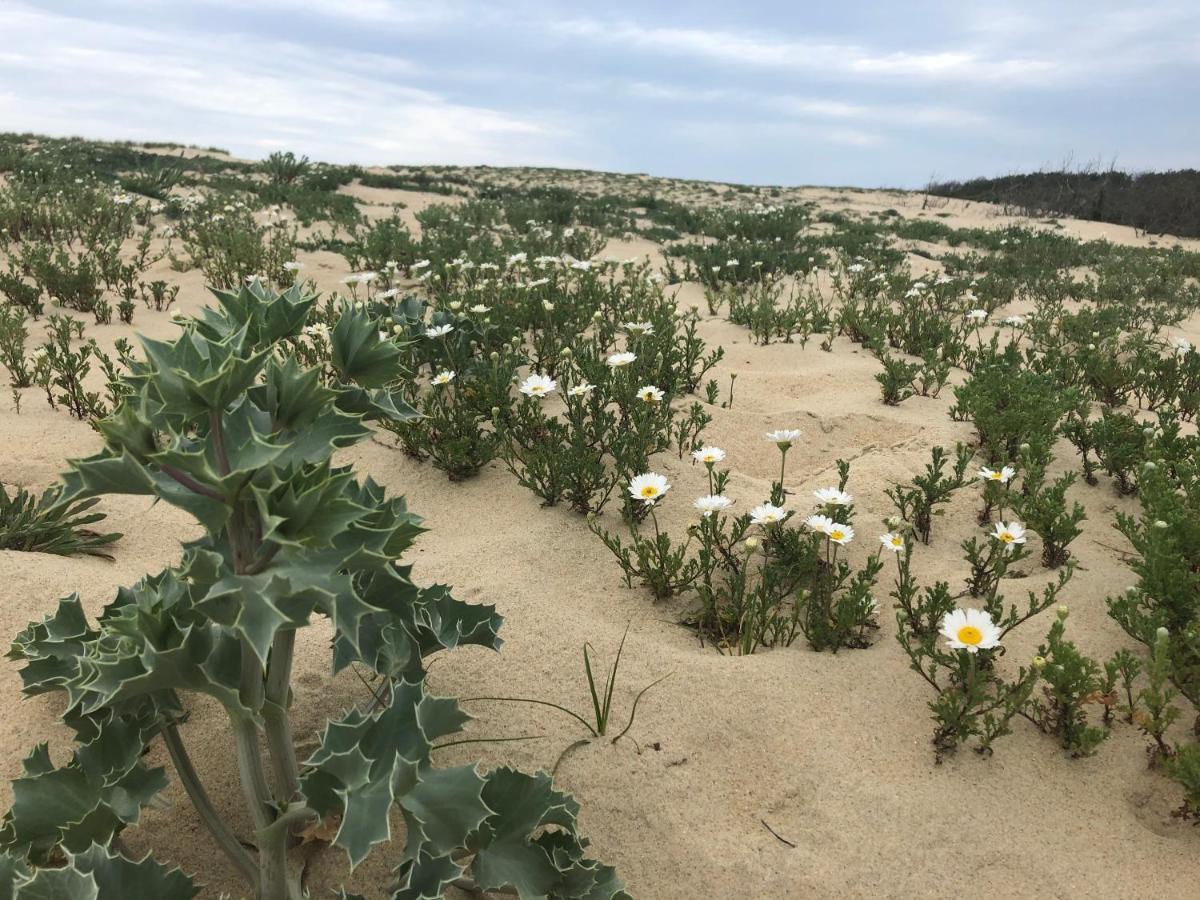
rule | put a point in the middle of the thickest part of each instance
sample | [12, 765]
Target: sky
[847, 93]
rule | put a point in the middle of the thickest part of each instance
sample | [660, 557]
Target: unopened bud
[1039, 663]
[1063, 612]
[752, 544]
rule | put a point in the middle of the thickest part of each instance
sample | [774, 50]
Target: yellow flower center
[970, 635]
[837, 535]
[1006, 537]
[995, 476]
[649, 490]
[897, 542]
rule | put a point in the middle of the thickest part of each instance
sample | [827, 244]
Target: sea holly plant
[220, 425]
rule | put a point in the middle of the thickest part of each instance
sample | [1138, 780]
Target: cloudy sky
[771, 93]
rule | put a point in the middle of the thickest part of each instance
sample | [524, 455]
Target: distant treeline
[1156, 202]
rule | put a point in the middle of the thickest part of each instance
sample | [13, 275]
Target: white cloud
[123, 81]
[745, 49]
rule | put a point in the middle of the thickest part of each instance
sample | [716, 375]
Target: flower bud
[1161, 635]
[1063, 612]
[1161, 525]
[1039, 663]
[565, 353]
[751, 544]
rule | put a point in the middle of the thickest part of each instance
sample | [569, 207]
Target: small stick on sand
[777, 834]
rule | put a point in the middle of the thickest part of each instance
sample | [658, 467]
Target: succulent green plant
[241, 437]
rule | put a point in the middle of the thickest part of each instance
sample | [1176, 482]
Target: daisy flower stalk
[783, 439]
[710, 456]
[664, 568]
[996, 483]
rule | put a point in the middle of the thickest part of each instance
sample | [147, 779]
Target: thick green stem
[272, 861]
[221, 832]
[273, 843]
[275, 712]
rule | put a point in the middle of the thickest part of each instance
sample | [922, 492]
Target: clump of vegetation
[48, 524]
[240, 437]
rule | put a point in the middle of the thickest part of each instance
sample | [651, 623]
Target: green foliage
[1184, 769]
[1043, 509]
[1011, 406]
[919, 502]
[1166, 541]
[13, 334]
[241, 437]
[1070, 683]
[285, 167]
[49, 525]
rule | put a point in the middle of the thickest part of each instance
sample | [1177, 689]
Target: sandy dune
[829, 752]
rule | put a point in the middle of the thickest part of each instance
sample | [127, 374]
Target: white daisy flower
[443, 377]
[537, 385]
[1004, 475]
[892, 541]
[649, 394]
[1015, 321]
[479, 309]
[839, 533]
[1012, 533]
[293, 266]
[767, 514]
[819, 523]
[1183, 346]
[581, 390]
[620, 359]
[832, 496]
[784, 437]
[978, 315]
[970, 629]
[438, 331]
[708, 455]
[713, 503]
[648, 487]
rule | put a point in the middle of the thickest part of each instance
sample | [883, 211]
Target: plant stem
[275, 713]
[272, 861]
[212, 820]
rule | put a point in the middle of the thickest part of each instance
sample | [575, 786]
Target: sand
[788, 773]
